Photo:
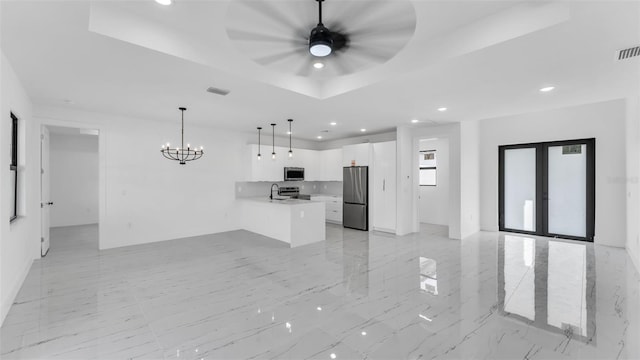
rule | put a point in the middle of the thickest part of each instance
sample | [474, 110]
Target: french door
[548, 189]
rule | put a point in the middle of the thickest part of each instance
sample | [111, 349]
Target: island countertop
[294, 221]
[266, 200]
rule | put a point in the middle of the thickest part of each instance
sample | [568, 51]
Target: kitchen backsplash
[245, 189]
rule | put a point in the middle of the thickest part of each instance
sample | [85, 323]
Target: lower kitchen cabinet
[333, 207]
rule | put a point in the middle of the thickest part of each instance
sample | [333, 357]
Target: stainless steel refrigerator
[355, 194]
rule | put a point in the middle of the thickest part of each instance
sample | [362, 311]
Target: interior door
[45, 187]
[548, 189]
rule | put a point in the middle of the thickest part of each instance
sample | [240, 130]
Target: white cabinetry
[331, 165]
[383, 189]
[333, 207]
[358, 153]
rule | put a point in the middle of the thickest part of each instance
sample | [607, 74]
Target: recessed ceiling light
[164, 2]
[319, 137]
[333, 356]
[547, 88]
[288, 132]
[364, 333]
[414, 121]
[333, 123]
[363, 130]
[318, 65]
[442, 109]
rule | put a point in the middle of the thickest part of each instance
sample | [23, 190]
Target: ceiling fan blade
[306, 67]
[377, 55]
[266, 9]
[363, 12]
[381, 31]
[340, 64]
[243, 35]
[270, 59]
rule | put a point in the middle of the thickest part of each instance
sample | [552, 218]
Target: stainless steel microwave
[293, 174]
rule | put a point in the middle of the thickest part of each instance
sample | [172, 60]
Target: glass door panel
[520, 189]
[567, 190]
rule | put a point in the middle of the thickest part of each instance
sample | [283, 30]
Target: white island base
[296, 222]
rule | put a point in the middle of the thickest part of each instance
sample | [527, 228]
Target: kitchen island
[293, 221]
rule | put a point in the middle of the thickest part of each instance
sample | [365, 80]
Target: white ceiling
[478, 58]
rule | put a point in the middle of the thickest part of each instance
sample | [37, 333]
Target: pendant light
[273, 141]
[290, 150]
[259, 155]
[181, 153]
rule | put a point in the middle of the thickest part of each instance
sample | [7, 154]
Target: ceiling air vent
[628, 53]
[218, 91]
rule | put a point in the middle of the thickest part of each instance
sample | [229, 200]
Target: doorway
[433, 181]
[69, 184]
[548, 189]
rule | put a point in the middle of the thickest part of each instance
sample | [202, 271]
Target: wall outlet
[301, 214]
[325, 186]
[239, 189]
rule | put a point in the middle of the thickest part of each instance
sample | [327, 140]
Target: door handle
[384, 184]
[50, 203]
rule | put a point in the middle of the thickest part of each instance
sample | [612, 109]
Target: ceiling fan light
[320, 41]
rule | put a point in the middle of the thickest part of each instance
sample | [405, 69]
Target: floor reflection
[428, 276]
[356, 266]
[549, 284]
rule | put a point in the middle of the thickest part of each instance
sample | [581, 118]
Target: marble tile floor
[358, 295]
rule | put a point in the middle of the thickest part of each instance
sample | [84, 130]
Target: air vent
[628, 53]
[218, 91]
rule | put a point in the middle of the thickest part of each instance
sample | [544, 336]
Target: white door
[45, 187]
[384, 186]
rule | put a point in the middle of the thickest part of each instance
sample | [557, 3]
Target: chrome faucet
[271, 191]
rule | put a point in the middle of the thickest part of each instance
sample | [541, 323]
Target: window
[428, 164]
[13, 167]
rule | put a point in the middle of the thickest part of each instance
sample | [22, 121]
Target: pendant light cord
[182, 147]
[320, 12]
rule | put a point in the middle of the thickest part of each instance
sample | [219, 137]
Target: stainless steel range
[293, 192]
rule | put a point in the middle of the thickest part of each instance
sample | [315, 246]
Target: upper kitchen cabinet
[310, 161]
[331, 165]
[356, 155]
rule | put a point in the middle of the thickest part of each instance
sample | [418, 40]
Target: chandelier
[182, 154]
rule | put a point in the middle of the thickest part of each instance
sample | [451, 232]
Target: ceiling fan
[322, 41]
[358, 34]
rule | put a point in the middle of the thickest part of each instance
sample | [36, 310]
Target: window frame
[13, 165]
[435, 168]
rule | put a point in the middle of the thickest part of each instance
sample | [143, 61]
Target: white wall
[633, 172]
[469, 178]
[145, 197]
[74, 179]
[20, 240]
[433, 205]
[604, 121]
